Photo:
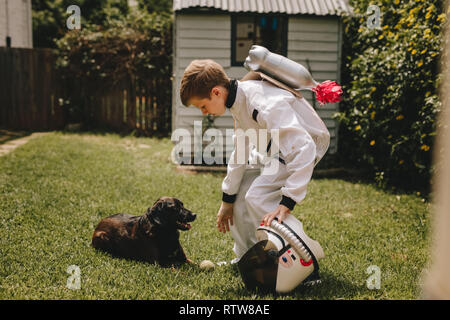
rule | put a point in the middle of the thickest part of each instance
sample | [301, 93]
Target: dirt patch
[10, 140]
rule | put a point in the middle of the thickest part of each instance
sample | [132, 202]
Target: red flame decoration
[328, 92]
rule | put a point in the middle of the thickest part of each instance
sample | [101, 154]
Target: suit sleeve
[236, 167]
[296, 147]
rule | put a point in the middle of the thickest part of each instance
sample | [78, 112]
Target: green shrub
[134, 48]
[391, 80]
[137, 44]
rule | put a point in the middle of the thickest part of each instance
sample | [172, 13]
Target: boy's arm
[235, 168]
[230, 185]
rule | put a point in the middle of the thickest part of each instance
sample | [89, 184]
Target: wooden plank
[313, 36]
[24, 93]
[16, 89]
[204, 53]
[210, 22]
[131, 105]
[201, 34]
[182, 63]
[190, 43]
[148, 114]
[45, 89]
[295, 45]
[138, 108]
[151, 110]
[116, 108]
[32, 88]
[314, 24]
[297, 55]
[3, 93]
[36, 93]
[17, 70]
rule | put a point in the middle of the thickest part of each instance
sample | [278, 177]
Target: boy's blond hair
[200, 77]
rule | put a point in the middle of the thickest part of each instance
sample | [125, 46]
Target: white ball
[207, 265]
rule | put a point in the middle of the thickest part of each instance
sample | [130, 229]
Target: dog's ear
[156, 213]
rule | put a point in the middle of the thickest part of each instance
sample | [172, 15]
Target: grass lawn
[55, 189]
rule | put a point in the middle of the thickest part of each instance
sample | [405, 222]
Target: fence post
[131, 104]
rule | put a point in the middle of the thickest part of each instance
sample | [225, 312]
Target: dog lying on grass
[152, 237]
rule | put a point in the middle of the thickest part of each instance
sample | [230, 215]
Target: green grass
[55, 189]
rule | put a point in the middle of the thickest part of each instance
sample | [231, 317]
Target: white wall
[16, 21]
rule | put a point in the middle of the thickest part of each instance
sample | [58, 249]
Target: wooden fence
[29, 90]
[33, 96]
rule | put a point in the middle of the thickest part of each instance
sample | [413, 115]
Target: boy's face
[215, 105]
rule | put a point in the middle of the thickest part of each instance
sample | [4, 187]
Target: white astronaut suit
[257, 189]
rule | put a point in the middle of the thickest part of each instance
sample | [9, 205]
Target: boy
[251, 197]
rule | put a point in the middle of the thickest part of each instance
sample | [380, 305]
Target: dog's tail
[100, 240]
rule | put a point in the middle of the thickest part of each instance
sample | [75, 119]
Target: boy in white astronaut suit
[253, 195]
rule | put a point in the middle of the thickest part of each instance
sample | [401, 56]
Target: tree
[50, 16]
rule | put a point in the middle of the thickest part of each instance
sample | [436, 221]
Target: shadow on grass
[103, 130]
[331, 288]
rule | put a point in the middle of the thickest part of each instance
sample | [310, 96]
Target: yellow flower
[425, 147]
[428, 15]
[396, 1]
[399, 117]
[372, 115]
[373, 89]
[423, 135]
[380, 37]
[414, 51]
[372, 142]
[360, 30]
[358, 127]
[423, 51]
[427, 93]
[401, 162]
[441, 17]
[420, 63]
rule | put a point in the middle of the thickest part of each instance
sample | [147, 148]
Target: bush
[138, 44]
[391, 80]
[134, 48]
[50, 16]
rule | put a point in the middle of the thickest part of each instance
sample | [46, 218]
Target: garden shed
[306, 31]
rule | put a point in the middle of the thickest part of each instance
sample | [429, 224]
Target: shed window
[269, 31]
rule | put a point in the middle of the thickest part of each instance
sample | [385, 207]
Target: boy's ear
[215, 91]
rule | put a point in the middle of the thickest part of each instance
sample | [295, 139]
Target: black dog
[152, 237]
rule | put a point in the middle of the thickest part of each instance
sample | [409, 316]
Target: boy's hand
[281, 213]
[224, 216]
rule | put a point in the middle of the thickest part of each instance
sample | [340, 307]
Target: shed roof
[315, 7]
